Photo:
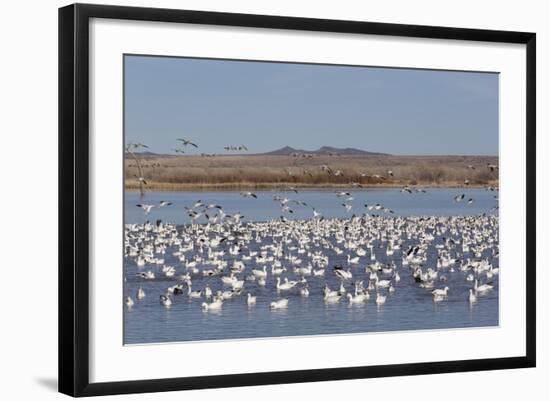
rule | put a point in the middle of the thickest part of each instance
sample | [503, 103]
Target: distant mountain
[283, 151]
[324, 150]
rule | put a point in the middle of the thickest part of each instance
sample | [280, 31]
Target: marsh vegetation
[187, 172]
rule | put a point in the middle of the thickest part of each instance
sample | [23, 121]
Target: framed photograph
[251, 199]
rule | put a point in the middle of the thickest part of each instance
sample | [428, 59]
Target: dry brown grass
[261, 171]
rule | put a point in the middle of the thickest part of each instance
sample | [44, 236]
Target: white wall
[28, 195]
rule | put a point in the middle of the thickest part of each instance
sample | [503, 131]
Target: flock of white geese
[357, 260]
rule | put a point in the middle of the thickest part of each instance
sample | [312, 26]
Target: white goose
[380, 299]
[318, 273]
[343, 274]
[440, 292]
[279, 304]
[357, 299]
[328, 293]
[193, 294]
[148, 275]
[228, 280]
[277, 271]
[472, 297]
[214, 305]
[482, 287]
[260, 273]
[303, 271]
[287, 285]
[396, 277]
[382, 283]
[165, 300]
[250, 300]
[129, 302]
[342, 289]
[140, 293]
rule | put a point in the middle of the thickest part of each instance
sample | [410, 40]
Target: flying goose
[247, 194]
[147, 208]
[458, 198]
[186, 142]
[141, 179]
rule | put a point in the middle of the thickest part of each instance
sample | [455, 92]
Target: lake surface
[408, 308]
[435, 202]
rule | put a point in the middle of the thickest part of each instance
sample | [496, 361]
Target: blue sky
[270, 105]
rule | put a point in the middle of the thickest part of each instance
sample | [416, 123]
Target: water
[408, 308]
[435, 202]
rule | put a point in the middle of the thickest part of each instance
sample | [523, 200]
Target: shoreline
[187, 187]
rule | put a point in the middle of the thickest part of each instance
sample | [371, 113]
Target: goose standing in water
[140, 294]
[440, 292]
[250, 300]
[214, 305]
[165, 300]
[277, 271]
[318, 273]
[129, 302]
[342, 274]
[472, 297]
[396, 277]
[287, 285]
[328, 293]
[342, 289]
[148, 275]
[279, 304]
[380, 299]
[260, 273]
[482, 288]
[191, 293]
[207, 292]
[381, 283]
[357, 299]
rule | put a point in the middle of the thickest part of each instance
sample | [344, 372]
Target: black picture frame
[74, 200]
